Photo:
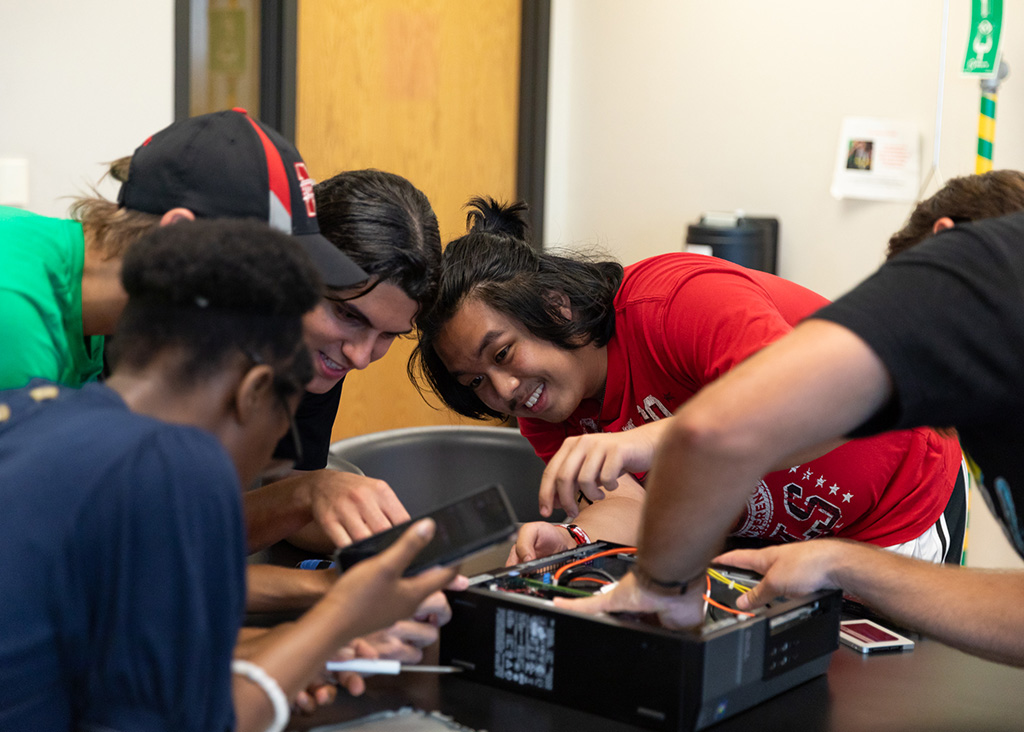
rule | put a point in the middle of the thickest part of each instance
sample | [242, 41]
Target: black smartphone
[464, 526]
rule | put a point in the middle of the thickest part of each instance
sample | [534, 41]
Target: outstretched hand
[677, 612]
[591, 464]
[539, 539]
[350, 507]
[789, 570]
[373, 594]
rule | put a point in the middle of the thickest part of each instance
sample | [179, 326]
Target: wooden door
[427, 89]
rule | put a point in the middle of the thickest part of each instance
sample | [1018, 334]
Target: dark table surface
[933, 687]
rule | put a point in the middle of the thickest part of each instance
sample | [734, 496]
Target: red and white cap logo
[306, 186]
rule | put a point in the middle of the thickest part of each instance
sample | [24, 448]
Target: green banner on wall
[982, 57]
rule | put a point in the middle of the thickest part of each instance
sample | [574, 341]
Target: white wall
[663, 109]
[81, 83]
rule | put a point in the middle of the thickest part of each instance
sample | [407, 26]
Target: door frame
[278, 53]
[278, 38]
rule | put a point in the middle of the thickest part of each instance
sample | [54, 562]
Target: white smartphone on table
[868, 636]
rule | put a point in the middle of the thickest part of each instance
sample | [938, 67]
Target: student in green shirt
[59, 287]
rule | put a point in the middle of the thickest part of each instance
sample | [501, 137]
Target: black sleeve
[315, 420]
[945, 319]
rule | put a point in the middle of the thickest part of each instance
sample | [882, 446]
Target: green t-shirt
[41, 262]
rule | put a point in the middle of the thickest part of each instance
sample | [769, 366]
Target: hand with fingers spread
[789, 570]
[674, 611]
[320, 510]
[350, 507]
[374, 594]
[592, 464]
[343, 508]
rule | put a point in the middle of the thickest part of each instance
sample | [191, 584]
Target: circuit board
[591, 569]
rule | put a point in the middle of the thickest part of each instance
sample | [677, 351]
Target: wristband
[270, 687]
[662, 587]
[578, 535]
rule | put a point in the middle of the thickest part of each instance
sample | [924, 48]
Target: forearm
[978, 611]
[688, 515]
[276, 511]
[795, 397]
[615, 518]
[290, 653]
[274, 589]
[370, 595]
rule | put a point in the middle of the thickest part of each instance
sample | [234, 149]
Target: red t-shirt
[681, 321]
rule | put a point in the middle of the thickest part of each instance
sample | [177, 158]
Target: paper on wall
[877, 160]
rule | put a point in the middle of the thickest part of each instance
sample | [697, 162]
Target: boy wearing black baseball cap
[59, 287]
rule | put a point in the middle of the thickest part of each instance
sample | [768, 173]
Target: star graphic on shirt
[833, 489]
[820, 481]
[794, 468]
[808, 475]
[847, 497]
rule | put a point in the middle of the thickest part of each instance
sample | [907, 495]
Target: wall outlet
[14, 182]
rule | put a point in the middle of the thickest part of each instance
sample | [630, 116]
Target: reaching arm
[978, 611]
[403, 641]
[796, 396]
[274, 589]
[594, 463]
[371, 595]
[615, 518]
[344, 506]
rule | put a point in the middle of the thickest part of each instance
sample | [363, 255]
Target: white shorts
[942, 542]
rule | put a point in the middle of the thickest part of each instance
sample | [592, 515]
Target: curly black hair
[215, 289]
[386, 226]
[495, 264]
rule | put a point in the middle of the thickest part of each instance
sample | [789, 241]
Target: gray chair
[430, 466]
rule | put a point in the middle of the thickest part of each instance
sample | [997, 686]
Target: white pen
[385, 666]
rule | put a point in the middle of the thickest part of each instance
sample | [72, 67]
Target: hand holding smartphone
[464, 526]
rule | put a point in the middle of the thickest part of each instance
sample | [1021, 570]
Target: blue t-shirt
[122, 570]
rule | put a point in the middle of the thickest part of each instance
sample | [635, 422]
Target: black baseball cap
[229, 165]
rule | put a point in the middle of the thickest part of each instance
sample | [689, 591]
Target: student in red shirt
[590, 358]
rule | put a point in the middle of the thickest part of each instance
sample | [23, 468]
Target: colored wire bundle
[603, 579]
[606, 553]
[732, 585]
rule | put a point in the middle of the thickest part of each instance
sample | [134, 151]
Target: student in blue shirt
[123, 571]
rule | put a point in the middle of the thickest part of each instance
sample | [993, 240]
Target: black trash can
[747, 240]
